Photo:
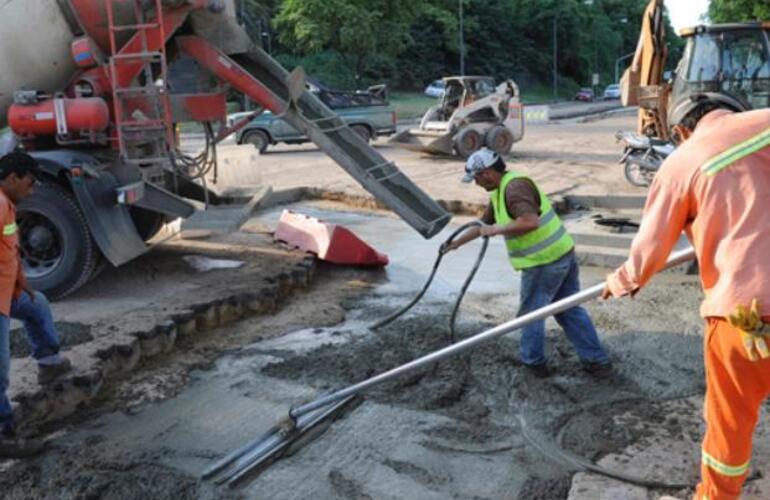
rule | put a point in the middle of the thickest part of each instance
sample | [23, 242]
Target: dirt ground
[476, 426]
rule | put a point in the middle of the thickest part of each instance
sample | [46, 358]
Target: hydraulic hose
[441, 253]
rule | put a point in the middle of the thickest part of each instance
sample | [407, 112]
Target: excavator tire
[467, 141]
[499, 139]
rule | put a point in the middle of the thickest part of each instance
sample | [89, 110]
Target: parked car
[435, 89]
[366, 111]
[612, 92]
[585, 94]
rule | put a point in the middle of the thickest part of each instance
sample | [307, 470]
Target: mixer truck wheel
[57, 251]
[499, 139]
[467, 141]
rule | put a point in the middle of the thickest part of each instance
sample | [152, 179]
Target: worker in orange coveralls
[716, 187]
[19, 301]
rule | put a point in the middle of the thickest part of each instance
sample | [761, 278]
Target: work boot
[596, 369]
[11, 447]
[539, 371]
[48, 373]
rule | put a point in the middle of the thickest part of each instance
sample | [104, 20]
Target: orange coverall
[716, 187]
[11, 274]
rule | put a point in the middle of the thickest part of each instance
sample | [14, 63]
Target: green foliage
[408, 43]
[330, 67]
[726, 11]
[358, 29]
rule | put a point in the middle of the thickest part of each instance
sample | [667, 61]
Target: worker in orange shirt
[18, 300]
[716, 188]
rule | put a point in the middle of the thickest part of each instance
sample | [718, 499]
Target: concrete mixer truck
[93, 90]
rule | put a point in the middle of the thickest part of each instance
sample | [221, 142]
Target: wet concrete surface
[450, 430]
[411, 256]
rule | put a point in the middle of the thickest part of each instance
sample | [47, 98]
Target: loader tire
[57, 250]
[467, 141]
[500, 140]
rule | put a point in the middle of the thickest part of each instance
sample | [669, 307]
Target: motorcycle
[642, 157]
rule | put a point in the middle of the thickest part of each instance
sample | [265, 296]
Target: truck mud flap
[260, 77]
[110, 223]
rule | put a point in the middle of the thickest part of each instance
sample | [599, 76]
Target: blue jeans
[41, 334]
[542, 285]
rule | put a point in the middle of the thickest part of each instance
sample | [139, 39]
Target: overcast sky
[686, 13]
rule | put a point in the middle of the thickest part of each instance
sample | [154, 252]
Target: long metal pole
[462, 38]
[540, 314]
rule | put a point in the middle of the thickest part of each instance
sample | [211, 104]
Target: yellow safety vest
[548, 243]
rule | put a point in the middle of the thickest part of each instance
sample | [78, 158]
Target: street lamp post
[462, 41]
[555, 58]
[617, 64]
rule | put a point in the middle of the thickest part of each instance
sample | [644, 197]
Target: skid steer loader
[472, 113]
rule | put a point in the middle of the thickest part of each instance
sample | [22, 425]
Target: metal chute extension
[295, 424]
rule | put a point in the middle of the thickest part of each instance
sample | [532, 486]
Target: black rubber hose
[456, 308]
[557, 453]
[441, 252]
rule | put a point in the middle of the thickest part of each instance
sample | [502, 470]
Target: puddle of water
[412, 257]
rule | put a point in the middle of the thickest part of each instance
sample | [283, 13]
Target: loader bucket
[424, 141]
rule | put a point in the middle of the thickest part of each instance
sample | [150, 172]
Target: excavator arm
[642, 84]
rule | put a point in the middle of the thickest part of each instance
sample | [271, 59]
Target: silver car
[612, 92]
[435, 89]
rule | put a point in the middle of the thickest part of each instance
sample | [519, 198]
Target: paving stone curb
[98, 361]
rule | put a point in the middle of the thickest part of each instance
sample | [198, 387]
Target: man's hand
[488, 231]
[448, 246]
[29, 291]
[607, 294]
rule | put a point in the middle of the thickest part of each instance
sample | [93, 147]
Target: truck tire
[467, 141]
[363, 132]
[499, 139]
[57, 250]
[258, 139]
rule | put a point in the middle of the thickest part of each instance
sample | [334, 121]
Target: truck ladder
[142, 109]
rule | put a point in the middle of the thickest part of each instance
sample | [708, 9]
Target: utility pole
[462, 41]
[555, 52]
[617, 65]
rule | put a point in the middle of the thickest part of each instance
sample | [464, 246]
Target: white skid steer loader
[472, 113]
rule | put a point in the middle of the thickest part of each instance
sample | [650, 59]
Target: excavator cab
[729, 58]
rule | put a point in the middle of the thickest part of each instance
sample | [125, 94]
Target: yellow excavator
[732, 58]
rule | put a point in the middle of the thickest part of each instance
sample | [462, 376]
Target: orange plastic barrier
[329, 242]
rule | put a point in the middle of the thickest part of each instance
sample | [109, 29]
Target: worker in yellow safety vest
[539, 246]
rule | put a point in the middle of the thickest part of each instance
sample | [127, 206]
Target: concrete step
[600, 256]
[616, 202]
[608, 240]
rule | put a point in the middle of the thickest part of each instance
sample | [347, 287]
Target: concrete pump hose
[441, 253]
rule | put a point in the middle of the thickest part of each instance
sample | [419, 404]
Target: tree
[357, 29]
[725, 11]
